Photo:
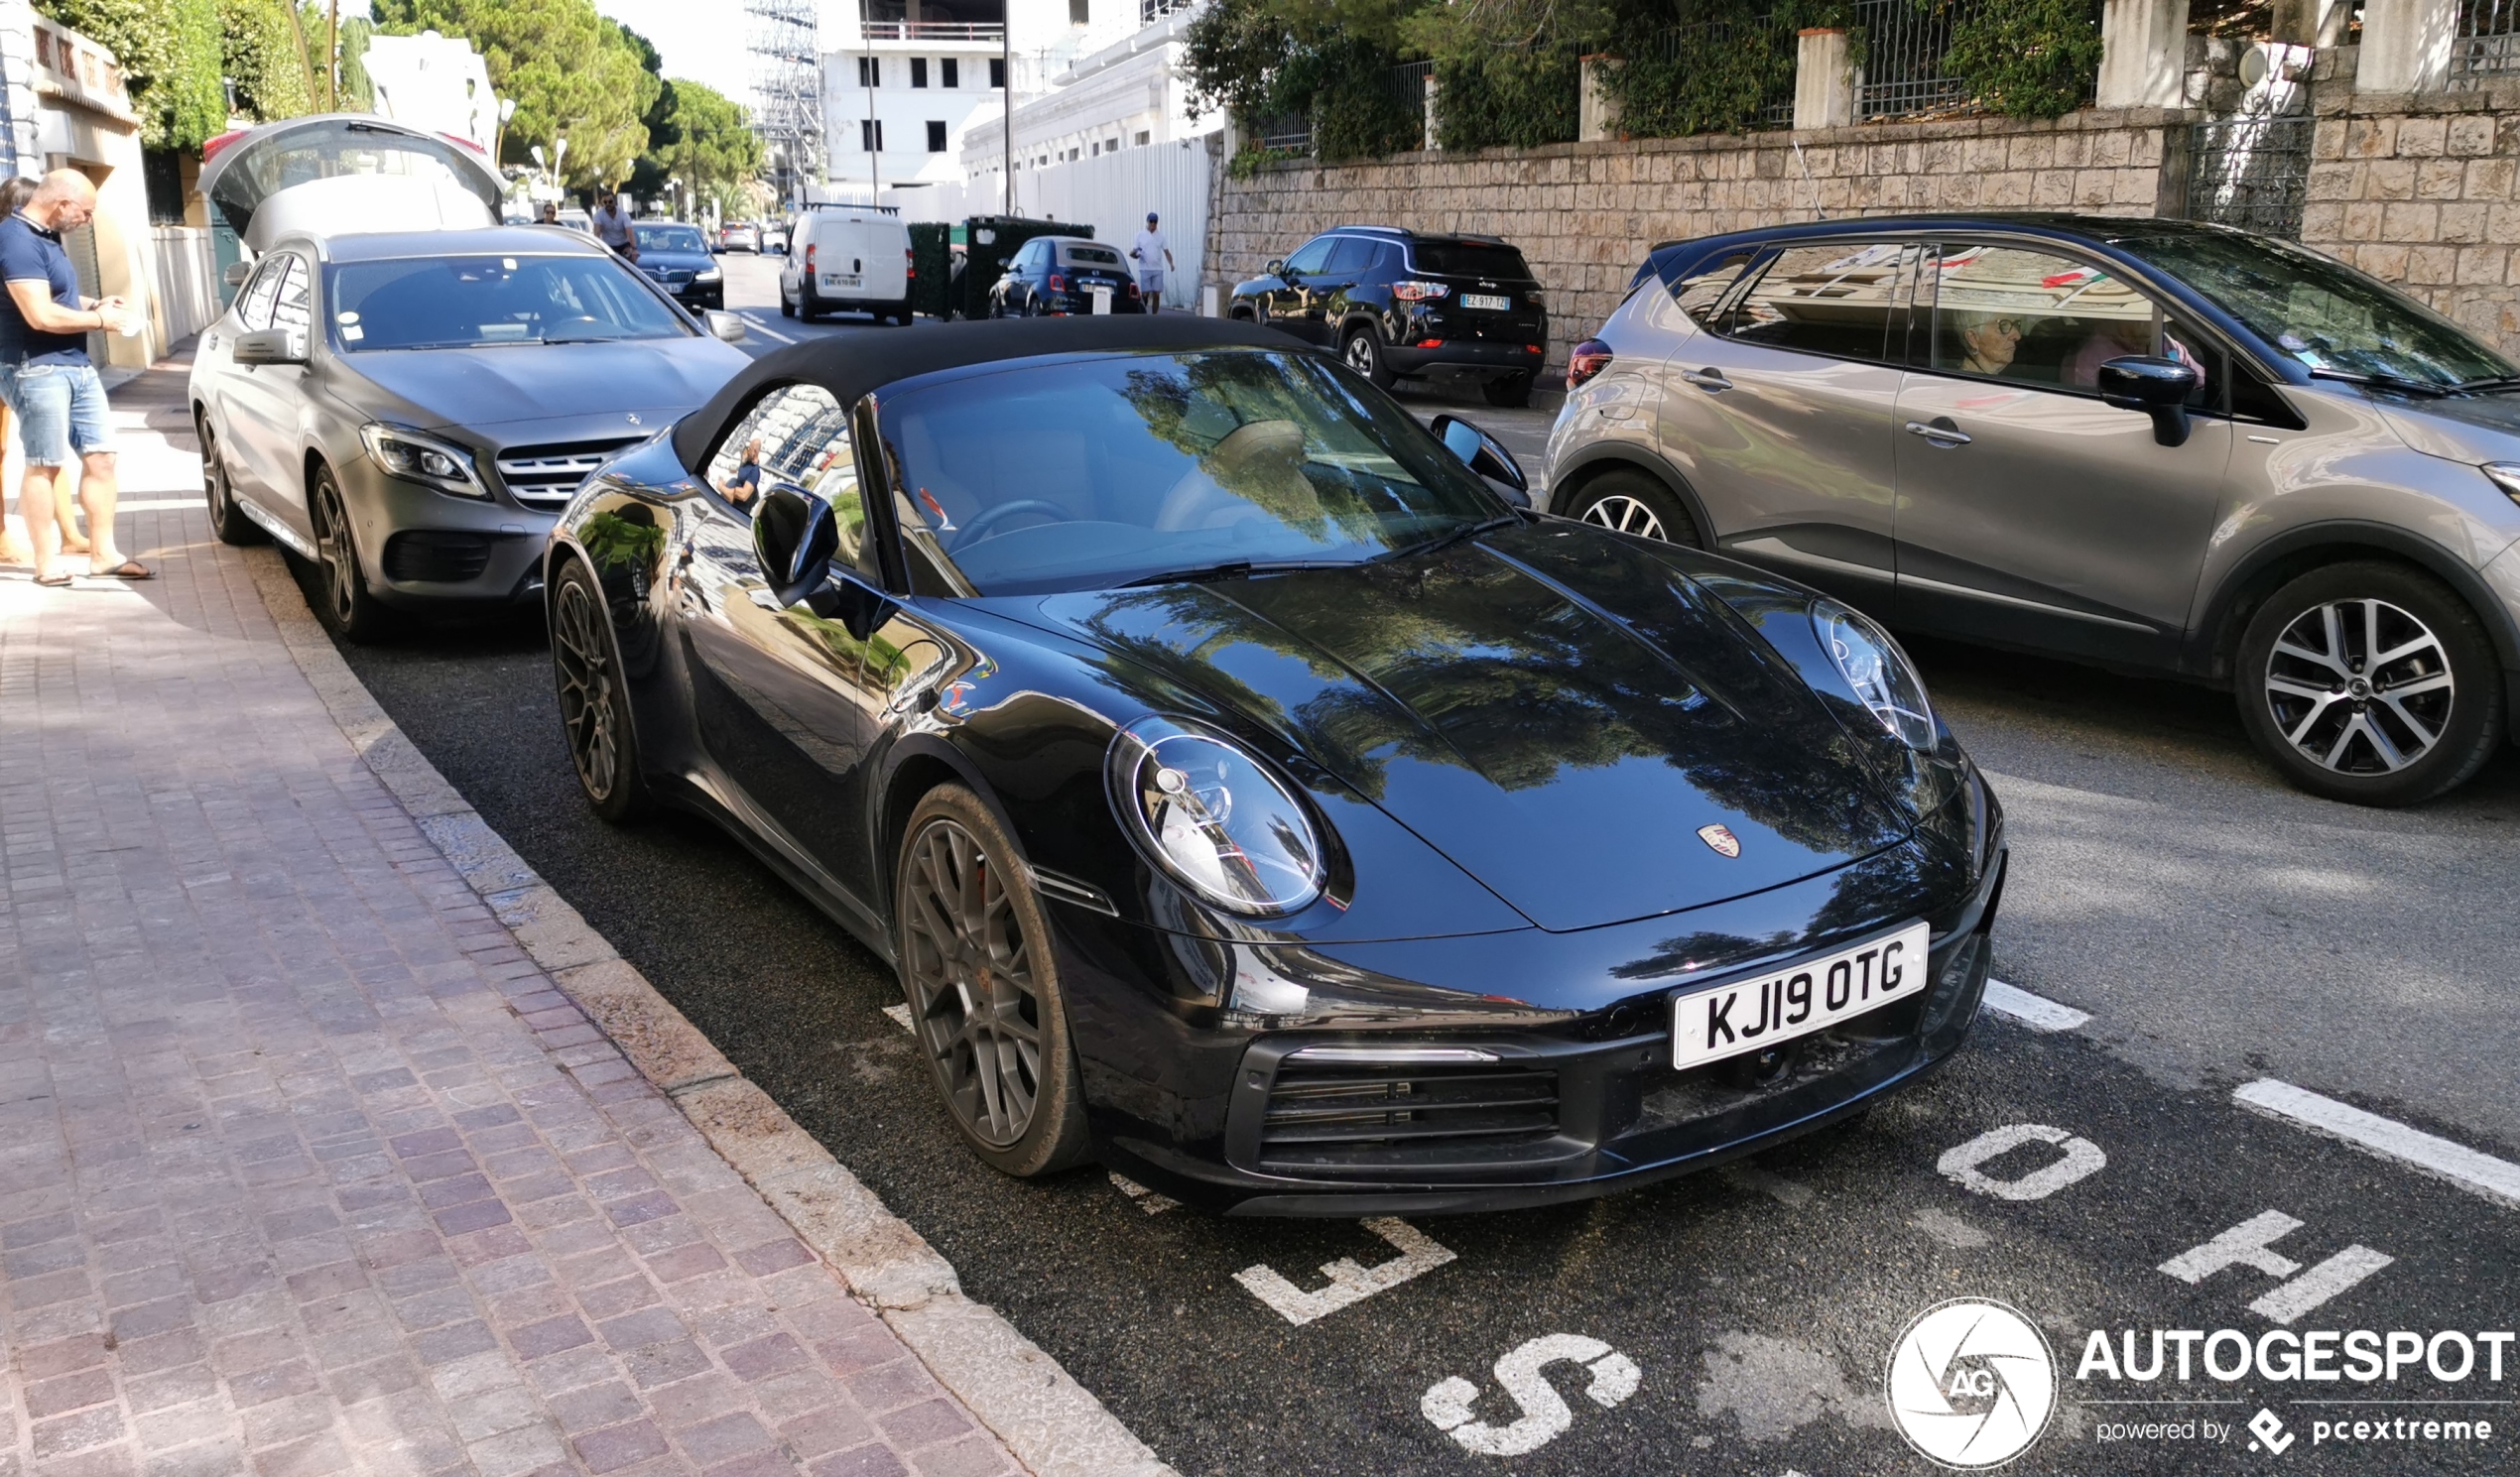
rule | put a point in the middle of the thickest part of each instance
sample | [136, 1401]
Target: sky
[703, 40]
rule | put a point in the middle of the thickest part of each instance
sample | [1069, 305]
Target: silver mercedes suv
[2148, 444]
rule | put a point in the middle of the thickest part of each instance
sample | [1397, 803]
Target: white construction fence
[1111, 194]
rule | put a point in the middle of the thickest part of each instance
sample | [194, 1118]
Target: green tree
[571, 74]
[709, 145]
[266, 58]
[2029, 58]
[170, 55]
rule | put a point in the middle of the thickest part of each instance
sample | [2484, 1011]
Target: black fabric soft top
[851, 364]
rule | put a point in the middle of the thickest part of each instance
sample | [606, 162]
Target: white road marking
[901, 1016]
[1148, 1200]
[1786, 1192]
[758, 327]
[2083, 1158]
[1350, 1284]
[1948, 1229]
[2034, 1010]
[2320, 1283]
[2494, 1178]
[1545, 1415]
[2251, 1243]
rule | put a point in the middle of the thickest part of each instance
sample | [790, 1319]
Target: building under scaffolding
[787, 82]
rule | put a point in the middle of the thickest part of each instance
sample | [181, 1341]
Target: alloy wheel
[970, 976]
[336, 554]
[1360, 354]
[2359, 686]
[214, 474]
[1626, 515]
[582, 659]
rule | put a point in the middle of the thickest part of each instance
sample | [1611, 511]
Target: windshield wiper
[1231, 569]
[2387, 382]
[1449, 537]
[2488, 384]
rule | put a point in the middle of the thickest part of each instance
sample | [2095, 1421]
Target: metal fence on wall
[1904, 46]
[1768, 32]
[1406, 87]
[2487, 46]
[2251, 172]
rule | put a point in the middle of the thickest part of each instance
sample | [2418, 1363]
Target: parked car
[1251, 796]
[847, 259]
[576, 220]
[2149, 445]
[1050, 276]
[408, 410]
[774, 238]
[1399, 304]
[739, 235]
[677, 257]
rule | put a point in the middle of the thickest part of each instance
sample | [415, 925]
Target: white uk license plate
[839, 280]
[1479, 299]
[1102, 299]
[1753, 1015]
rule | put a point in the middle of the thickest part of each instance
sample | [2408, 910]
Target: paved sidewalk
[304, 1166]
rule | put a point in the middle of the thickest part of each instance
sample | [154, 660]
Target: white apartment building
[1126, 92]
[905, 83]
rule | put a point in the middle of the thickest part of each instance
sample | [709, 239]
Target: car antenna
[1817, 213]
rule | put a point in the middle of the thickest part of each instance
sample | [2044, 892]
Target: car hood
[1551, 707]
[691, 260]
[657, 379]
[2464, 428]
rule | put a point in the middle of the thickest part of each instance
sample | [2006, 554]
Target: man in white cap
[1154, 259]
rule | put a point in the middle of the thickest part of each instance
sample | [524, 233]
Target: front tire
[227, 521]
[1631, 502]
[787, 304]
[594, 703]
[1362, 352]
[978, 966]
[341, 595]
[2370, 683]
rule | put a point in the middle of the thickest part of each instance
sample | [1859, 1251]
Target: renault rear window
[1470, 259]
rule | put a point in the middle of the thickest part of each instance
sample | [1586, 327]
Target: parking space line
[2493, 1179]
[1147, 1199]
[2034, 1010]
[758, 327]
[901, 1016]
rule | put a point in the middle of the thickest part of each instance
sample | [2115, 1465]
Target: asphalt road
[2218, 927]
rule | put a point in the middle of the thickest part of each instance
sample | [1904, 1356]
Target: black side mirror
[855, 604]
[1485, 455]
[267, 346]
[2158, 386]
[1276, 268]
[794, 536]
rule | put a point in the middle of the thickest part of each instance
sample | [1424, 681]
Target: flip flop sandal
[53, 582]
[127, 569]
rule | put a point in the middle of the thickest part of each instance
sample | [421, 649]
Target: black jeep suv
[1396, 303]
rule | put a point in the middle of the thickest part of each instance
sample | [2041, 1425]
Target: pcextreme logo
[1972, 1383]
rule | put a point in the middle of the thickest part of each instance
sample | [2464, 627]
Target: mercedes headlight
[423, 458]
[1214, 819]
[1881, 675]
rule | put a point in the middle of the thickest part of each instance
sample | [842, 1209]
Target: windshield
[1112, 471]
[2321, 312]
[451, 302]
[1470, 259]
[670, 238]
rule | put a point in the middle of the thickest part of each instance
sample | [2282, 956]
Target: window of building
[919, 71]
[1097, 148]
[1143, 137]
[870, 71]
[997, 73]
[951, 71]
[935, 136]
[870, 135]
[1078, 14]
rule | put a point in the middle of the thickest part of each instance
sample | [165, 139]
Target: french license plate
[837, 280]
[1103, 301]
[1753, 1015]
[1481, 300]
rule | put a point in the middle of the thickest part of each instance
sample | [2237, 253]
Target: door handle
[1709, 380]
[1940, 432]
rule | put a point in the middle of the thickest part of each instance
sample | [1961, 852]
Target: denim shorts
[60, 410]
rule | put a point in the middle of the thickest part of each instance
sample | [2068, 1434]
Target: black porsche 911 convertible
[1251, 795]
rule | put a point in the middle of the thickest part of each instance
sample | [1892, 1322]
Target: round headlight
[1214, 818]
[1878, 671]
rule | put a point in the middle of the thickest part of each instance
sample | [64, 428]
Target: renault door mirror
[794, 536]
[268, 347]
[2158, 386]
[1485, 455]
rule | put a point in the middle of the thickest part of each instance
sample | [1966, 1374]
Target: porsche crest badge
[1721, 838]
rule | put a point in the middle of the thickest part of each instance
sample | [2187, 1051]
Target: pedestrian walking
[612, 226]
[47, 380]
[15, 192]
[1154, 259]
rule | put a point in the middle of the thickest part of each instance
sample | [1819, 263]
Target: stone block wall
[2422, 190]
[1586, 214]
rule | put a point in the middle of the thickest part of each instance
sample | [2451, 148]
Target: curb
[1050, 1423]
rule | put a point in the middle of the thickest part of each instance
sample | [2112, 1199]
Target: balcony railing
[1150, 11]
[2487, 47]
[930, 30]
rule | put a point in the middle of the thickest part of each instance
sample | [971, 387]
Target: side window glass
[820, 459]
[2033, 317]
[1842, 298]
[1311, 258]
[762, 441]
[254, 308]
[1352, 254]
[1702, 288]
[289, 306]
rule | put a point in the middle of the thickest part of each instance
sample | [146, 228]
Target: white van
[847, 259]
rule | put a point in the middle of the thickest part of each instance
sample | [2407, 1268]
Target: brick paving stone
[313, 1170]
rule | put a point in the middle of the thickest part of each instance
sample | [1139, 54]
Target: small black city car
[1064, 276]
[1396, 303]
[1251, 795]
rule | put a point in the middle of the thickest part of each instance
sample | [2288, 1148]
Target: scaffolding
[788, 80]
